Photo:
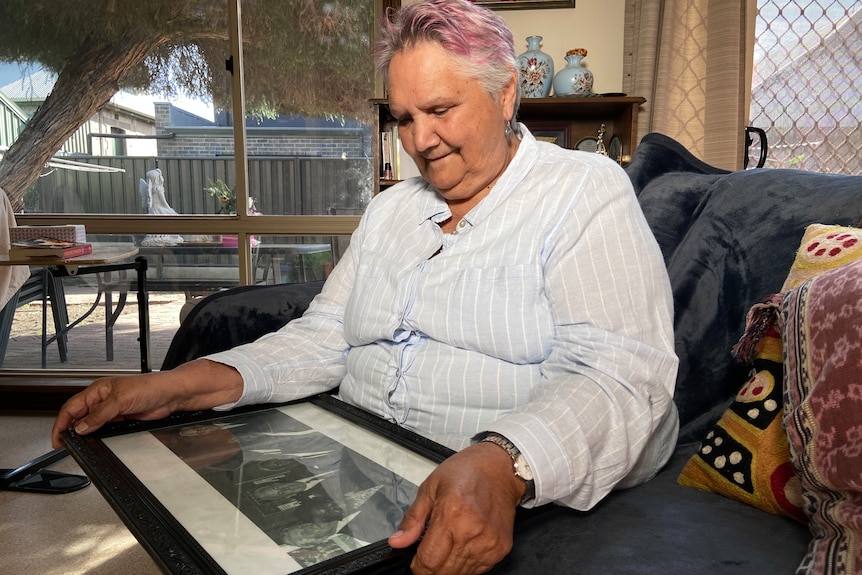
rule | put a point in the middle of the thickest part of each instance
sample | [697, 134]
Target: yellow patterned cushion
[823, 248]
[746, 455]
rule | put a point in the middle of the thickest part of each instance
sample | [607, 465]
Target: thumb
[413, 524]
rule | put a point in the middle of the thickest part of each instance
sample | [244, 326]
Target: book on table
[48, 248]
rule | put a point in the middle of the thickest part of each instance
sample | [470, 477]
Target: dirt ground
[87, 341]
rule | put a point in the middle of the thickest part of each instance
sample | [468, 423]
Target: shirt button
[462, 224]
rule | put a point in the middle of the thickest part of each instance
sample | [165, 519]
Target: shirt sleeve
[603, 415]
[306, 357]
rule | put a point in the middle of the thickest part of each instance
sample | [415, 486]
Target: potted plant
[226, 198]
[224, 195]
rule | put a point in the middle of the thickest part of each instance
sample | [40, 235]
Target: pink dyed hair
[474, 33]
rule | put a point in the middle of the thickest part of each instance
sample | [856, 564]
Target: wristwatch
[522, 470]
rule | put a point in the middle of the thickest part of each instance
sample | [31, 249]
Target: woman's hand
[199, 384]
[466, 509]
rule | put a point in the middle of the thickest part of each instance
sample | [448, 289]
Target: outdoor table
[105, 259]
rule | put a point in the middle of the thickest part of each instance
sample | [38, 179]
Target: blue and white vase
[535, 70]
[574, 79]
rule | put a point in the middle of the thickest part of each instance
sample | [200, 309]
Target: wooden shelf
[568, 120]
[578, 118]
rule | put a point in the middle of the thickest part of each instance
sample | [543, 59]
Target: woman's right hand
[199, 384]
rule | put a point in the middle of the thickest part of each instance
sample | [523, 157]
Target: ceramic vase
[535, 70]
[574, 79]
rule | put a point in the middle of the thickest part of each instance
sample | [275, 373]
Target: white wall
[596, 25]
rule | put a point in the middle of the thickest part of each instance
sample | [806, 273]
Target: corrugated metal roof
[34, 87]
[830, 75]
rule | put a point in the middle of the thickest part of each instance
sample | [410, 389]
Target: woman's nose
[424, 135]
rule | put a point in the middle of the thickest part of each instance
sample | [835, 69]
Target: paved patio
[86, 342]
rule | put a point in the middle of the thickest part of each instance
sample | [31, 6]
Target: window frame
[241, 224]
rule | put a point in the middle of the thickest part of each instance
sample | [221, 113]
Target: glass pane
[292, 259]
[163, 92]
[178, 277]
[310, 131]
[310, 140]
[805, 89]
[85, 304]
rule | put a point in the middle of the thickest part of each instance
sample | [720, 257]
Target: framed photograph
[615, 149]
[553, 132]
[525, 4]
[587, 144]
[308, 487]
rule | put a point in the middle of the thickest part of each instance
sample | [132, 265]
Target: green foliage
[302, 57]
[224, 195]
[796, 161]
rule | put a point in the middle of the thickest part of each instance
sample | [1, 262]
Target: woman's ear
[508, 96]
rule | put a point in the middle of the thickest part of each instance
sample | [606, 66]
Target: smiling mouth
[435, 159]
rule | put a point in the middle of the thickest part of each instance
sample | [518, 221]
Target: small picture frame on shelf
[312, 486]
[553, 132]
[615, 149]
[587, 144]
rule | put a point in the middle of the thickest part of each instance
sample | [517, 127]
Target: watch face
[522, 470]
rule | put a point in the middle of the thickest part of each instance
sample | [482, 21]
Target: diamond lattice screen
[807, 83]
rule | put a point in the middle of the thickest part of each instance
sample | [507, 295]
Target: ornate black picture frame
[308, 487]
[525, 4]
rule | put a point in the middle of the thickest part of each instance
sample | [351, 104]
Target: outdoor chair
[31, 291]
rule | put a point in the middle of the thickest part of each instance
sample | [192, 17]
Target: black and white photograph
[287, 489]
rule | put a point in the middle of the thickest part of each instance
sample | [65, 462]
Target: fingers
[86, 411]
[467, 507]
[109, 399]
[71, 411]
[198, 384]
[413, 523]
[462, 551]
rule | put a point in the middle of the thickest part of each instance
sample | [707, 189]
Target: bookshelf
[567, 121]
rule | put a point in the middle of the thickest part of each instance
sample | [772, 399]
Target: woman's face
[451, 127]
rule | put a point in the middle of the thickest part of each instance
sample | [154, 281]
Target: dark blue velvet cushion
[728, 240]
[235, 316]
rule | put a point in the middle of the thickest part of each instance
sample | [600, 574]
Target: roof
[34, 87]
[832, 72]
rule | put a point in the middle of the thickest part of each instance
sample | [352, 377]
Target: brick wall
[212, 140]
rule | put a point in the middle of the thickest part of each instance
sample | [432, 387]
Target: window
[806, 84]
[306, 151]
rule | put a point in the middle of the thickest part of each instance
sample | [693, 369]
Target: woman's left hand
[466, 509]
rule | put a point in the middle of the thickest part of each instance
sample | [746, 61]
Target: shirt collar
[433, 207]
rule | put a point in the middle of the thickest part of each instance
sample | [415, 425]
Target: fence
[279, 185]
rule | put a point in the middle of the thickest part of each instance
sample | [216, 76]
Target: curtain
[691, 59]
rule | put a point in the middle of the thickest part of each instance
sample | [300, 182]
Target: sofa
[729, 240]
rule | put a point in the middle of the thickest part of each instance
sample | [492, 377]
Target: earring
[508, 131]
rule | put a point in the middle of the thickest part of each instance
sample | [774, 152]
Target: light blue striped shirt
[547, 318]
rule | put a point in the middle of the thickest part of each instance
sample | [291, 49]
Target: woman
[512, 293]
